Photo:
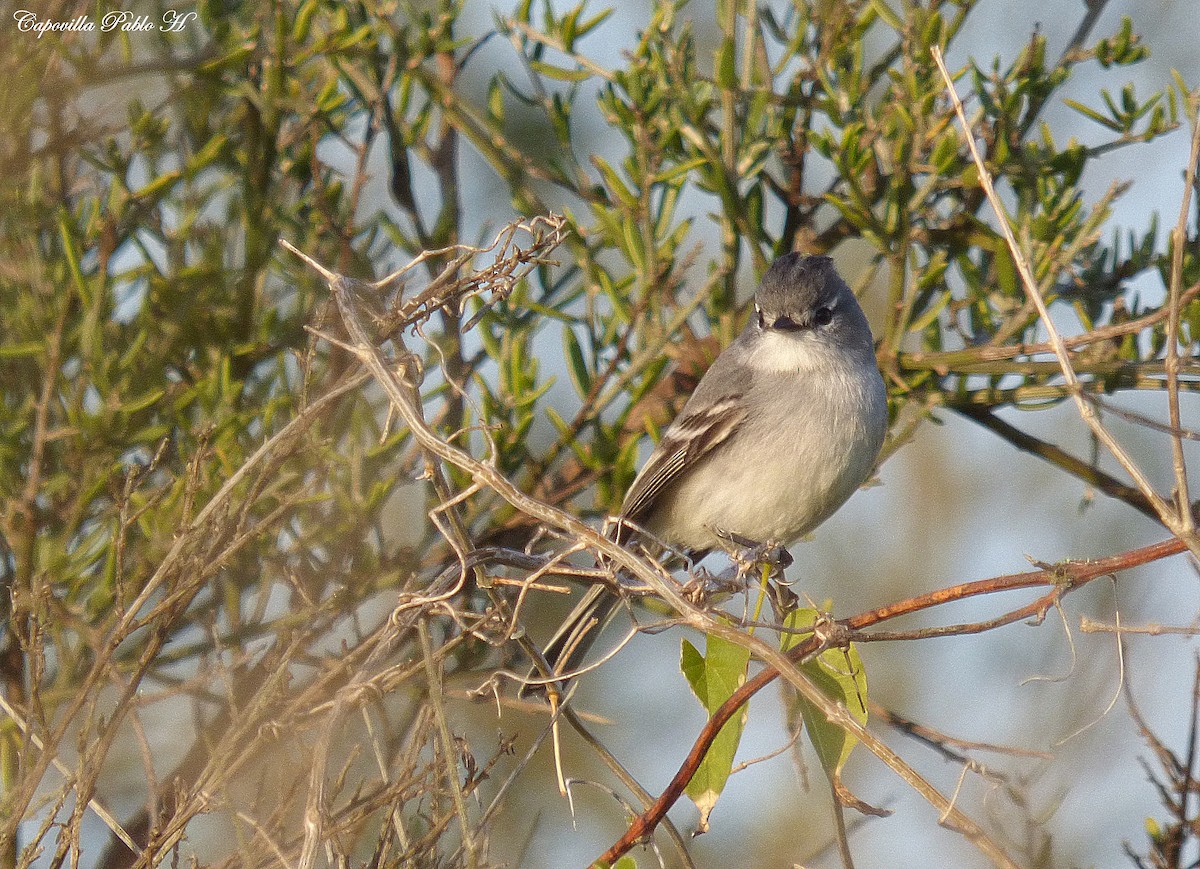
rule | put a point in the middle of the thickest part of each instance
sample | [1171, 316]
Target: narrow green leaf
[304, 16]
[726, 64]
[576, 365]
[24, 348]
[142, 401]
[634, 247]
[888, 14]
[593, 22]
[713, 678]
[931, 313]
[71, 254]
[614, 183]
[839, 673]
[678, 169]
[495, 100]
[558, 73]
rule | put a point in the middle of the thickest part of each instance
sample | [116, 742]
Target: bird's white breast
[810, 440]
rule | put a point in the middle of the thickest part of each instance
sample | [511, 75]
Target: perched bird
[783, 427]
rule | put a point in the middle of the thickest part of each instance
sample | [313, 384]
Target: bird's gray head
[803, 302]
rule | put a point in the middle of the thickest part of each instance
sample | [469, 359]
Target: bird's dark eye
[823, 316]
[762, 321]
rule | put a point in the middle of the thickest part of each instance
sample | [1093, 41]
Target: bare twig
[94, 804]
[1174, 304]
[1091, 626]
[948, 360]
[1059, 457]
[449, 756]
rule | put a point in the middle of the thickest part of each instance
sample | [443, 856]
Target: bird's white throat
[783, 352]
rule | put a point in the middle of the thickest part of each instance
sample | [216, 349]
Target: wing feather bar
[687, 439]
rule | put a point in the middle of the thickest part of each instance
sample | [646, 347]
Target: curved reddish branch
[1065, 577]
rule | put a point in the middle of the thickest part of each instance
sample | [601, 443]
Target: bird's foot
[750, 555]
[765, 562]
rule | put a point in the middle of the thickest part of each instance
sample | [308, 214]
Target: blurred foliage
[154, 337]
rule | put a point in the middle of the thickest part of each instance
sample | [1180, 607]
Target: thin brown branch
[1091, 626]
[950, 746]
[447, 753]
[1064, 577]
[1060, 458]
[91, 802]
[947, 360]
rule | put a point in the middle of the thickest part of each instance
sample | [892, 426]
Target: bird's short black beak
[786, 324]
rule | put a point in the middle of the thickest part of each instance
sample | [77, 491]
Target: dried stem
[1174, 305]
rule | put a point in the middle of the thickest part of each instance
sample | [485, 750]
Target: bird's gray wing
[705, 421]
[709, 417]
[693, 434]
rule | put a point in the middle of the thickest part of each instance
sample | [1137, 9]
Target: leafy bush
[232, 571]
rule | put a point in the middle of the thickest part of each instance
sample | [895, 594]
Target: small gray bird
[780, 431]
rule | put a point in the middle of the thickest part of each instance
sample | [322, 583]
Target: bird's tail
[569, 645]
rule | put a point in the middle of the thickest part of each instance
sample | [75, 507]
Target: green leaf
[713, 678]
[143, 401]
[614, 182]
[679, 169]
[495, 100]
[71, 254]
[726, 56]
[593, 22]
[576, 365]
[840, 675]
[888, 14]
[945, 152]
[304, 18]
[626, 862]
[557, 72]
[932, 312]
[24, 348]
